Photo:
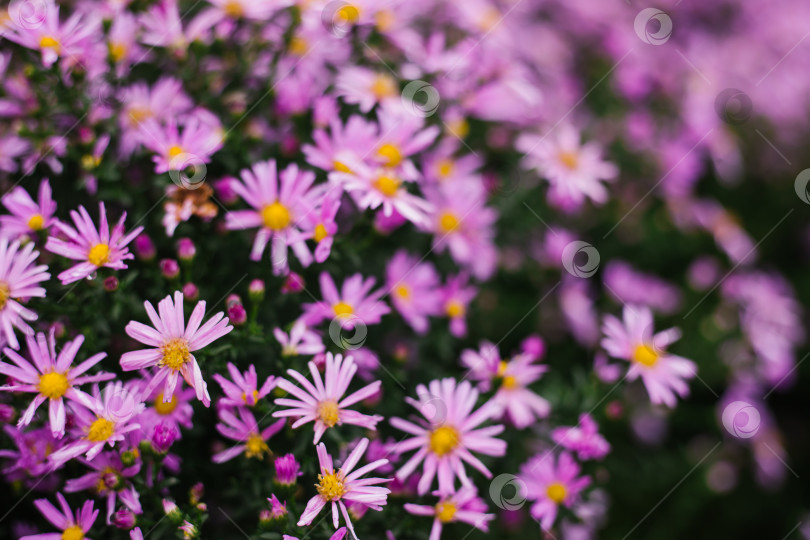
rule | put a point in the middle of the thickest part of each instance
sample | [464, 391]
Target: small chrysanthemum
[354, 301]
[241, 426]
[173, 344]
[324, 403]
[27, 216]
[72, 526]
[50, 376]
[95, 247]
[464, 505]
[19, 280]
[243, 388]
[551, 483]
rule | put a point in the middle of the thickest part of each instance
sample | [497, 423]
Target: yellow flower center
[99, 254]
[255, 446]
[403, 292]
[387, 185]
[90, 162]
[175, 353]
[391, 154]
[276, 216]
[174, 151]
[330, 485]
[443, 440]
[556, 492]
[448, 222]
[348, 13]
[446, 167]
[328, 412]
[165, 407]
[36, 222]
[460, 128]
[139, 114]
[445, 511]
[48, 42]
[320, 232]
[569, 159]
[117, 51]
[255, 395]
[53, 385]
[509, 382]
[502, 365]
[100, 430]
[233, 9]
[383, 86]
[298, 46]
[342, 308]
[384, 19]
[340, 166]
[454, 308]
[645, 355]
[5, 294]
[74, 532]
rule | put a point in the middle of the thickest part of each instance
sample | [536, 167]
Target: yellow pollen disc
[342, 308]
[255, 446]
[139, 114]
[5, 294]
[36, 222]
[90, 162]
[569, 159]
[383, 86]
[443, 440]
[556, 492]
[233, 9]
[446, 167]
[74, 532]
[403, 292]
[167, 407]
[298, 46]
[387, 185]
[175, 353]
[48, 42]
[53, 385]
[454, 308]
[460, 128]
[645, 355]
[99, 254]
[100, 430]
[502, 368]
[509, 382]
[341, 167]
[117, 51]
[348, 13]
[174, 151]
[255, 395]
[276, 216]
[328, 412]
[330, 486]
[320, 232]
[448, 222]
[384, 19]
[445, 511]
[391, 154]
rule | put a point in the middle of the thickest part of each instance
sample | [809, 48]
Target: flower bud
[169, 268]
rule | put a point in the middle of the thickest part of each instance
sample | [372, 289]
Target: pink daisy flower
[366, 88]
[575, 171]
[280, 202]
[301, 341]
[455, 298]
[109, 479]
[102, 420]
[18, 279]
[173, 344]
[354, 140]
[72, 526]
[139, 103]
[243, 389]
[354, 301]
[50, 376]
[584, 439]
[448, 436]
[664, 374]
[403, 134]
[551, 484]
[463, 506]
[240, 425]
[96, 248]
[324, 403]
[346, 485]
[414, 289]
[321, 226]
[177, 149]
[27, 216]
